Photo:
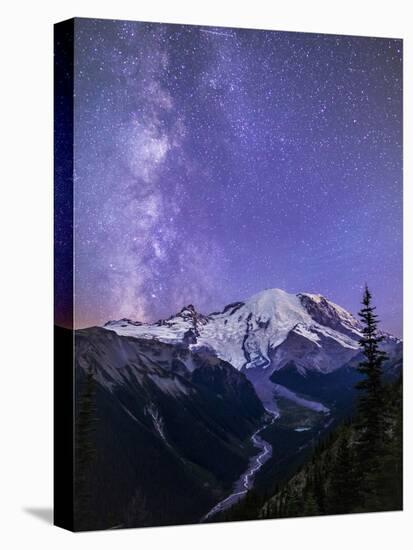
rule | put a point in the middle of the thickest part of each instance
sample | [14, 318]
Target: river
[246, 481]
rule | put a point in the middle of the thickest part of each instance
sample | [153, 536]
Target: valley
[246, 481]
[187, 416]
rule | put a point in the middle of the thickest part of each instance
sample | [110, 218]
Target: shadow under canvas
[44, 514]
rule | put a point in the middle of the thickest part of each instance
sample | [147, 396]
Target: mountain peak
[269, 329]
[270, 293]
[283, 308]
[325, 312]
[189, 308]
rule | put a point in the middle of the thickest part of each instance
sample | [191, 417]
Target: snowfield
[246, 333]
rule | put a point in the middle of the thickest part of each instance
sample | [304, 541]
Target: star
[212, 163]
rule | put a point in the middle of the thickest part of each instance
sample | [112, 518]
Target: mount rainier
[273, 331]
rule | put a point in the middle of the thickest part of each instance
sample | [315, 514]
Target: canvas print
[228, 274]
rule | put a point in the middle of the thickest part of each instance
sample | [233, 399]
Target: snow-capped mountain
[270, 331]
[266, 331]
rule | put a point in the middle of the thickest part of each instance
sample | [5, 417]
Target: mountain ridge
[264, 334]
[159, 428]
[246, 333]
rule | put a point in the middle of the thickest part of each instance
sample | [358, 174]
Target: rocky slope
[161, 433]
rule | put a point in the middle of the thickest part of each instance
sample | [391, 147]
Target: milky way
[212, 163]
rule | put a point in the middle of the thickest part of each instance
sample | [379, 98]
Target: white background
[26, 273]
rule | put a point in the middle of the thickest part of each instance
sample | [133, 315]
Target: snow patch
[282, 391]
[171, 386]
[157, 420]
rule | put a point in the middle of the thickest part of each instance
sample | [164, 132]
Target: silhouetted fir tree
[390, 488]
[294, 504]
[310, 505]
[397, 449]
[265, 512]
[281, 509]
[336, 479]
[343, 493]
[319, 487]
[85, 451]
[371, 419]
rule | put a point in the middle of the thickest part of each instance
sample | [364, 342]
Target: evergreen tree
[390, 488]
[294, 503]
[371, 423]
[343, 493]
[319, 486]
[310, 505]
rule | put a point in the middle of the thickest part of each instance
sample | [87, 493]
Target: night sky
[212, 163]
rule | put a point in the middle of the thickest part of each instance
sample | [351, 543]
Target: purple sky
[212, 163]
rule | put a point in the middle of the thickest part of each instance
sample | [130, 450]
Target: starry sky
[212, 163]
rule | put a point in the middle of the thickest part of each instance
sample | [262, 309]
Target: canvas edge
[63, 425]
